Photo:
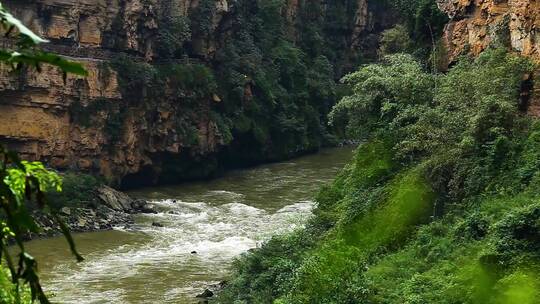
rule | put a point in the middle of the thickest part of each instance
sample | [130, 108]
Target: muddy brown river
[218, 219]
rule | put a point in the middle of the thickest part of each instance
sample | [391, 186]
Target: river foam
[197, 238]
[219, 219]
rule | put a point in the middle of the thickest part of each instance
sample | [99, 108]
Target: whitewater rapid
[218, 220]
[199, 237]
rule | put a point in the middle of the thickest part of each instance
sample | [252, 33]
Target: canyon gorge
[175, 89]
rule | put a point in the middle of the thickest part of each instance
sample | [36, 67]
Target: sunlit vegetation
[439, 205]
[78, 190]
[10, 292]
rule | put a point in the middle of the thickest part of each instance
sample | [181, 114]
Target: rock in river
[207, 293]
[115, 200]
[142, 206]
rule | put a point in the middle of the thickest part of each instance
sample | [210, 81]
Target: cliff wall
[175, 87]
[478, 24]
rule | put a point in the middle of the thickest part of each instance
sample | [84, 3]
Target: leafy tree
[423, 18]
[395, 40]
[25, 184]
[439, 205]
[425, 23]
[174, 31]
[383, 94]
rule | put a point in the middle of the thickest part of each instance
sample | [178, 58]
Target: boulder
[219, 286]
[115, 200]
[222, 285]
[81, 223]
[207, 293]
[65, 210]
[142, 206]
[156, 224]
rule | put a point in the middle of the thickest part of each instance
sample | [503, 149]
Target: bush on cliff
[424, 21]
[439, 206]
[268, 94]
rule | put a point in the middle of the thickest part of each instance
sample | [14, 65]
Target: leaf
[65, 65]
[9, 20]
[67, 235]
[34, 58]
[24, 220]
[9, 261]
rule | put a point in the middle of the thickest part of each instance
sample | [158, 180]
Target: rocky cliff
[180, 88]
[478, 24]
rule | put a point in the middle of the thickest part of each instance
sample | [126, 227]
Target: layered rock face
[478, 24]
[109, 124]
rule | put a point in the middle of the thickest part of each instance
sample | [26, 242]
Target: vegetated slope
[179, 89]
[440, 205]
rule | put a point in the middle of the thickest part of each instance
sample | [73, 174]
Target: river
[218, 219]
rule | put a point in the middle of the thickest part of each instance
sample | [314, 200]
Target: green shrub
[79, 190]
[136, 79]
[395, 40]
[408, 202]
[9, 292]
[331, 273]
[276, 260]
[370, 166]
[385, 96]
[425, 22]
[201, 18]
[174, 32]
[188, 82]
[439, 206]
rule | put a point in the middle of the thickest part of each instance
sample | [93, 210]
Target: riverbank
[205, 225]
[109, 208]
[87, 204]
[441, 205]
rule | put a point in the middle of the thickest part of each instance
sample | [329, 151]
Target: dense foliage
[440, 205]
[424, 22]
[276, 93]
[271, 82]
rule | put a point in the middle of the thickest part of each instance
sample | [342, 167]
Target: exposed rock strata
[478, 24]
[35, 109]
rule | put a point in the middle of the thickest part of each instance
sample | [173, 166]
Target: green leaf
[65, 65]
[35, 58]
[67, 235]
[10, 21]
